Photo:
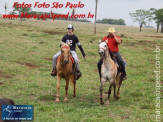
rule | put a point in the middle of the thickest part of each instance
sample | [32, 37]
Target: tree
[159, 17]
[153, 10]
[112, 21]
[5, 7]
[96, 1]
[73, 13]
[142, 16]
[21, 10]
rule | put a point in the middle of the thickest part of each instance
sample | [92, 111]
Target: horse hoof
[66, 100]
[107, 103]
[57, 101]
[74, 95]
[117, 97]
[102, 103]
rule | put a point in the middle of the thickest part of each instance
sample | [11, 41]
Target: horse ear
[62, 43]
[107, 41]
[69, 44]
[99, 41]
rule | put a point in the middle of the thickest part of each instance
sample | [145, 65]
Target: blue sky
[106, 8]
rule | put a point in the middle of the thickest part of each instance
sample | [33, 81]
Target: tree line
[112, 21]
[143, 17]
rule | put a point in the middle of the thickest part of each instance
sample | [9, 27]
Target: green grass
[27, 42]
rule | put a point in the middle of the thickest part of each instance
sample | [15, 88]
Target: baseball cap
[70, 27]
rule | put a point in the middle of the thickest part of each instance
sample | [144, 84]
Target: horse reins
[109, 53]
[65, 46]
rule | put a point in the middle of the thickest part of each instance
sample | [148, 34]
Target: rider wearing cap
[73, 40]
[113, 42]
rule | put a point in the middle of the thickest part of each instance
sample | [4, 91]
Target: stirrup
[53, 73]
[123, 77]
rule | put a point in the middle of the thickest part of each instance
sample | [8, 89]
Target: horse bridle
[104, 49]
[65, 46]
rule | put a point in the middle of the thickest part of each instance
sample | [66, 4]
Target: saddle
[117, 63]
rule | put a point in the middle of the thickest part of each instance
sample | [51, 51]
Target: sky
[114, 9]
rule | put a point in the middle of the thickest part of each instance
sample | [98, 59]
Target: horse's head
[65, 52]
[102, 48]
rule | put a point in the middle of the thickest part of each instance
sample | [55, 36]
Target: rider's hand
[113, 34]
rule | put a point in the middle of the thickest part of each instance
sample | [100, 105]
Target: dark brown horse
[6, 101]
[65, 70]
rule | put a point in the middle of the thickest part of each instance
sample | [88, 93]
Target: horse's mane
[110, 52]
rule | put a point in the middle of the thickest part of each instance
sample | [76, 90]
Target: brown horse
[65, 70]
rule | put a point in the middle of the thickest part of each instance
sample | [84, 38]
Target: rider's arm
[80, 47]
[117, 39]
[63, 40]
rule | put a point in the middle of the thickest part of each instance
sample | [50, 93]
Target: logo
[17, 112]
[69, 41]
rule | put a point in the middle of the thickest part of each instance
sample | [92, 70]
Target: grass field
[26, 50]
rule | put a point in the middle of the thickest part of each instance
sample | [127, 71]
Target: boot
[77, 74]
[124, 77]
[54, 72]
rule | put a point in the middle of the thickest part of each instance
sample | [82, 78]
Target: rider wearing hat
[113, 42]
[73, 40]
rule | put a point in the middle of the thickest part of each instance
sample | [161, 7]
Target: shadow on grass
[80, 101]
[47, 97]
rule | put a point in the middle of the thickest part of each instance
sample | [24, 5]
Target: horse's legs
[74, 85]
[101, 89]
[110, 87]
[114, 85]
[66, 90]
[109, 91]
[120, 83]
[58, 87]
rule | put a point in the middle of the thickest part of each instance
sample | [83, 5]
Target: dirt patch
[24, 34]
[4, 75]
[93, 63]
[49, 32]
[150, 42]
[146, 42]
[129, 44]
[103, 95]
[31, 65]
[124, 117]
[48, 59]
[33, 53]
[147, 48]
[122, 35]
[53, 32]
[154, 36]
[1, 83]
[95, 70]
[161, 82]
